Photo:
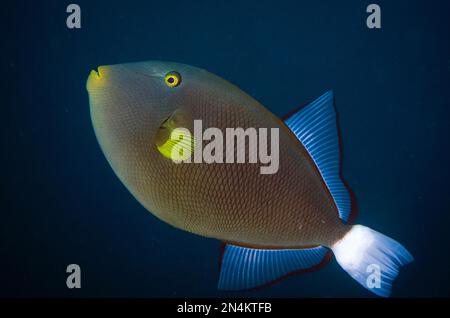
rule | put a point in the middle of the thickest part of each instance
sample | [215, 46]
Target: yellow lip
[95, 74]
[96, 78]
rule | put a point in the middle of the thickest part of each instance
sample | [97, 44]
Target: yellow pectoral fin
[179, 146]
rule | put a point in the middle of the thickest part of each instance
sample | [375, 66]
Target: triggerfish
[272, 224]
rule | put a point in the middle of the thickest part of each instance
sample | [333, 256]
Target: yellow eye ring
[172, 79]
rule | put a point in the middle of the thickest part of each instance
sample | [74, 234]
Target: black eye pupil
[170, 80]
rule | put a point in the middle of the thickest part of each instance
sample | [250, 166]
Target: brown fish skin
[230, 202]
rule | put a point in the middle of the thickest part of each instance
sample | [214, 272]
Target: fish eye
[172, 79]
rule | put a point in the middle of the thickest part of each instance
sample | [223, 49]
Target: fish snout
[97, 78]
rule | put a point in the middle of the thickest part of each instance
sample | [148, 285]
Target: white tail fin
[371, 258]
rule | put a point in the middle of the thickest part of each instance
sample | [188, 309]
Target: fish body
[302, 208]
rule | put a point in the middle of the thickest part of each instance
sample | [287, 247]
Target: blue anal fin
[247, 268]
[316, 127]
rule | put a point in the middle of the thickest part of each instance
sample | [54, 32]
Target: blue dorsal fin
[316, 127]
[247, 268]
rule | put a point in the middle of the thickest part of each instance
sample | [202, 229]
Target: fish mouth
[96, 78]
[99, 72]
[96, 72]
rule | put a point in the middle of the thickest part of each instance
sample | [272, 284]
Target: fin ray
[315, 127]
[247, 268]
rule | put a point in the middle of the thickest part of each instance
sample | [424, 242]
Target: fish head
[131, 106]
[136, 97]
[130, 102]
